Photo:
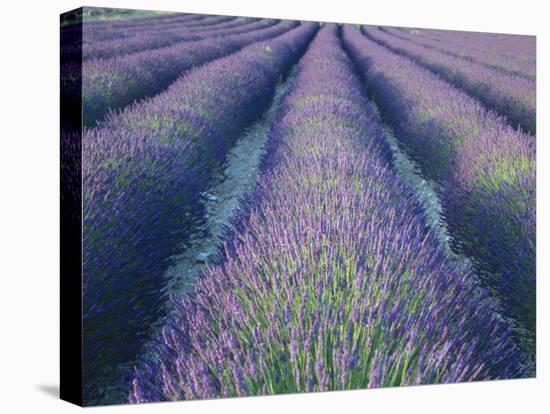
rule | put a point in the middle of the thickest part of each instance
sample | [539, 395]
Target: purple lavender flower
[485, 171]
[329, 204]
[143, 172]
[111, 84]
[510, 95]
[513, 54]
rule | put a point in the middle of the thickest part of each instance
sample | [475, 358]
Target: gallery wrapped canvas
[255, 206]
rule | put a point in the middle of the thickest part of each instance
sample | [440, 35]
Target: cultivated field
[276, 206]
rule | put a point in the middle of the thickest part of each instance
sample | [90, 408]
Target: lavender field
[273, 206]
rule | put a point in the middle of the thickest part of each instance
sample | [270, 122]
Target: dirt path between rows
[236, 178]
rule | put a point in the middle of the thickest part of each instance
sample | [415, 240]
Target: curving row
[163, 38]
[509, 53]
[99, 30]
[158, 22]
[485, 171]
[152, 39]
[111, 84]
[327, 282]
[512, 96]
[143, 173]
[105, 24]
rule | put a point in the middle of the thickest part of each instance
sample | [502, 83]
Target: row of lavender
[328, 282]
[155, 22]
[94, 37]
[512, 96]
[485, 171]
[112, 29]
[111, 84]
[100, 30]
[96, 33]
[145, 39]
[143, 171]
[512, 54]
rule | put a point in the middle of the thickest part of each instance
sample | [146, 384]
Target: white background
[29, 206]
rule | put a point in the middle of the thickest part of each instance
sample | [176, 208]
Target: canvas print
[254, 206]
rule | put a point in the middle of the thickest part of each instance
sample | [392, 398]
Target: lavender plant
[127, 29]
[331, 278]
[162, 37]
[111, 84]
[103, 30]
[513, 54]
[485, 171]
[143, 171]
[512, 96]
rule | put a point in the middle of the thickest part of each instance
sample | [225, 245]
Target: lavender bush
[107, 25]
[327, 282]
[140, 40]
[104, 30]
[111, 84]
[161, 37]
[512, 54]
[484, 168]
[143, 171]
[510, 95]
